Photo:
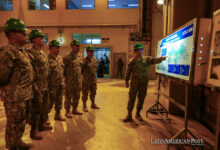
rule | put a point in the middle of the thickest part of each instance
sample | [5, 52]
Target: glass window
[73, 4]
[80, 4]
[42, 4]
[115, 3]
[45, 38]
[6, 5]
[77, 36]
[130, 4]
[87, 4]
[96, 38]
[122, 4]
[87, 38]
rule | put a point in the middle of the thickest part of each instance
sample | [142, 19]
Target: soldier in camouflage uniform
[137, 69]
[56, 80]
[40, 103]
[73, 79]
[89, 68]
[16, 83]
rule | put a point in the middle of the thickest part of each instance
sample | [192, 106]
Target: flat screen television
[179, 48]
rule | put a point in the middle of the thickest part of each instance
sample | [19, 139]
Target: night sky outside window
[46, 38]
[6, 5]
[130, 4]
[112, 4]
[80, 4]
[115, 3]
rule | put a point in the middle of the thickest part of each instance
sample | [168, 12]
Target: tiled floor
[104, 130]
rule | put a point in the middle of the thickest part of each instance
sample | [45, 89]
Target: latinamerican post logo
[191, 141]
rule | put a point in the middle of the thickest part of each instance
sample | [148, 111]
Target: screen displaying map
[178, 47]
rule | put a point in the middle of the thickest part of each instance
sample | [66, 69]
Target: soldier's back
[16, 62]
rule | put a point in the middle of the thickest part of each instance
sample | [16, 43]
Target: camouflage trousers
[72, 97]
[39, 109]
[86, 88]
[44, 101]
[16, 114]
[139, 90]
[56, 97]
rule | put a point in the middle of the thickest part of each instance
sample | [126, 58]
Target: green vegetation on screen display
[178, 47]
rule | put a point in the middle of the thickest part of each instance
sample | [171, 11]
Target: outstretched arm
[157, 60]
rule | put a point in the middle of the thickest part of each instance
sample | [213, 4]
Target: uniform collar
[51, 56]
[73, 55]
[35, 50]
[88, 58]
[14, 45]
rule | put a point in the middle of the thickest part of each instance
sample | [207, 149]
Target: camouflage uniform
[56, 81]
[40, 104]
[89, 68]
[138, 70]
[16, 80]
[73, 79]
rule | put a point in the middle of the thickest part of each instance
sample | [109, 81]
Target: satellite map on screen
[178, 48]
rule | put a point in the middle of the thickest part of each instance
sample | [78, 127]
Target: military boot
[24, 146]
[76, 112]
[94, 106]
[68, 114]
[129, 117]
[35, 135]
[85, 109]
[45, 127]
[138, 116]
[47, 122]
[58, 116]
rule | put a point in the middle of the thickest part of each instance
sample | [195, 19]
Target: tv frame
[193, 56]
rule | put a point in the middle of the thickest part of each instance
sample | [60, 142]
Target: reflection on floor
[104, 130]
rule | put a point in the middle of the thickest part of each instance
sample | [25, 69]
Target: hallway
[104, 130]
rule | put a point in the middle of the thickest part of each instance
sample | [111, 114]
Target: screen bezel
[192, 65]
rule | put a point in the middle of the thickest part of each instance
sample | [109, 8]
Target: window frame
[80, 6]
[91, 37]
[122, 5]
[41, 6]
[7, 5]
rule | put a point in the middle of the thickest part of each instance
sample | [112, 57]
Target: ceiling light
[160, 2]
[132, 5]
[45, 5]
[87, 5]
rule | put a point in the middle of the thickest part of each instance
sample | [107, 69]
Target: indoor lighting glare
[94, 41]
[61, 39]
[87, 5]
[88, 40]
[160, 2]
[132, 5]
[111, 0]
[111, 5]
[45, 5]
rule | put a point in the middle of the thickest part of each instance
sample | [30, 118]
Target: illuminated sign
[178, 47]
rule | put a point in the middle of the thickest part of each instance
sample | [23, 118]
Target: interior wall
[157, 34]
[111, 23]
[118, 39]
[100, 15]
[200, 105]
